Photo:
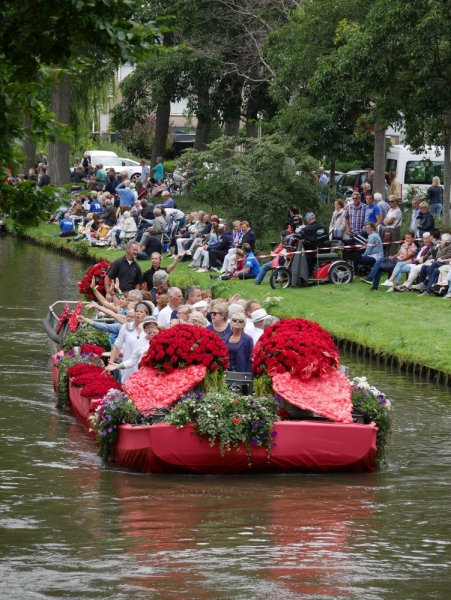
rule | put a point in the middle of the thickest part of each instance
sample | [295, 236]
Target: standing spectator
[158, 169]
[372, 211]
[355, 215]
[383, 206]
[44, 179]
[415, 215]
[145, 171]
[126, 195]
[77, 163]
[338, 217]
[126, 269]
[369, 178]
[85, 162]
[393, 222]
[156, 259]
[435, 197]
[395, 186]
[219, 323]
[426, 220]
[175, 299]
[43, 159]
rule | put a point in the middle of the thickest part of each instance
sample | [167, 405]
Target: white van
[415, 169]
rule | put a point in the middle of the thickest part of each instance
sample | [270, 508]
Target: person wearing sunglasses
[239, 345]
[219, 324]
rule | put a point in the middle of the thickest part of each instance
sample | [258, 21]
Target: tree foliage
[258, 184]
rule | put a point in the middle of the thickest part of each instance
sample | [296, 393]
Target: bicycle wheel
[280, 278]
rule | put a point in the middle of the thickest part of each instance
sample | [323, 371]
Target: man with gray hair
[126, 195]
[383, 206]
[175, 299]
[109, 213]
[193, 294]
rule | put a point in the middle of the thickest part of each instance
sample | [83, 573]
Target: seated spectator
[423, 259]
[432, 273]
[96, 206]
[239, 345]
[405, 267]
[277, 261]
[77, 209]
[236, 264]
[219, 324]
[406, 254]
[294, 219]
[374, 250]
[251, 267]
[217, 252]
[151, 245]
[133, 189]
[248, 236]
[426, 220]
[127, 230]
[43, 179]
[168, 202]
[66, 225]
[109, 213]
[314, 235]
[236, 242]
[112, 183]
[78, 176]
[258, 319]
[126, 195]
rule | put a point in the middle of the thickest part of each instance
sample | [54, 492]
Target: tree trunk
[59, 153]
[379, 159]
[161, 131]
[447, 182]
[204, 120]
[231, 128]
[331, 195]
[251, 117]
[28, 150]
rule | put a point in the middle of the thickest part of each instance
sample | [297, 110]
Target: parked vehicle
[350, 182]
[132, 167]
[111, 160]
[415, 169]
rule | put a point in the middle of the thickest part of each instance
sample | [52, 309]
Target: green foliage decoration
[86, 335]
[63, 363]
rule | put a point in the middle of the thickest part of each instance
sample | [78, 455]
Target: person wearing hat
[314, 235]
[258, 319]
[201, 307]
[150, 327]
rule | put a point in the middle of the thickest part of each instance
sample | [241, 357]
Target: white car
[111, 160]
[132, 167]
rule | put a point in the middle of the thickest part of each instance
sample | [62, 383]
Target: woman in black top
[435, 198]
[426, 220]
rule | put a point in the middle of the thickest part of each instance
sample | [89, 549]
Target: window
[422, 171]
[391, 165]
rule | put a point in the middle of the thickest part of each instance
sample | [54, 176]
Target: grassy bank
[403, 328]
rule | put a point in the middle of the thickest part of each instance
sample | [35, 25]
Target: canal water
[74, 527]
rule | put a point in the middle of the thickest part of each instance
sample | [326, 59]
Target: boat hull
[302, 447]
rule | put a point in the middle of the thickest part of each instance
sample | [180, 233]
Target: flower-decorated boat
[177, 415]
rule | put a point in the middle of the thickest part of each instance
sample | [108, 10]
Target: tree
[258, 184]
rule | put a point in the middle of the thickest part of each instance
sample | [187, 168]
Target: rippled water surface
[73, 527]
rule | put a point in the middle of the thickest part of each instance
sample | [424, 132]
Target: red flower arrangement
[98, 387]
[296, 346]
[184, 345]
[63, 317]
[84, 369]
[82, 380]
[150, 390]
[98, 271]
[92, 349]
[73, 323]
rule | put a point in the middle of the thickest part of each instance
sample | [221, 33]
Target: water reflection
[72, 527]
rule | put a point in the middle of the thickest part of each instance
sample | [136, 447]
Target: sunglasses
[215, 313]
[391, 201]
[237, 321]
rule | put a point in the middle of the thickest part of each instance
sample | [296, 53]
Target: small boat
[303, 446]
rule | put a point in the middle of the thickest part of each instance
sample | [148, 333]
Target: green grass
[407, 326]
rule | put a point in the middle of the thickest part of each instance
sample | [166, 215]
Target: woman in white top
[338, 218]
[129, 335]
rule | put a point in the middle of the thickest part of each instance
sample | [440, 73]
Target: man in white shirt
[251, 306]
[175, 299]
[258, 319]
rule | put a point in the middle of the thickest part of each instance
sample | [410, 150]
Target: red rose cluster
[73, 323]
[98, 387]
[92, 349]
[84, 369]
[296, 346]
[184, 345]
[98, 271]
[63, 317]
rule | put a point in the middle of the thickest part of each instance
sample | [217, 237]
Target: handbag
[388, 236]
[388, 264]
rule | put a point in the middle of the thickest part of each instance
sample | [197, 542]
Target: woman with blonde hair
[197, 318]
[435, 197]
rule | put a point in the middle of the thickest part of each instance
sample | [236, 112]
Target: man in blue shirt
[158, 170]
[373, 212]
[127, 197]
[66, 225]
[96, 207]
[251, 265]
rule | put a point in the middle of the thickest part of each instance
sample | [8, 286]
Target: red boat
[302, 447]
